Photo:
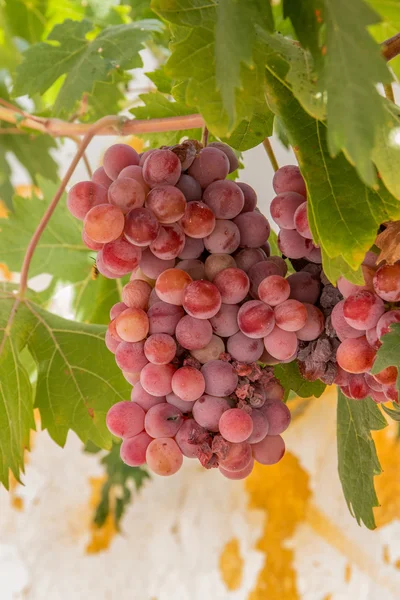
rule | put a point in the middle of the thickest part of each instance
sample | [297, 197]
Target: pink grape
[392, 393]
[314, 255]
[207, 411]
[256, 319]
[274, 290]
[243, 348]
[258, 272]
[161, 167]
[370, 380]
[83, 196]
[387, 282]
[346, 288]
[198, 220]
[131, 378]
[292, 244]
[274, 391]
[289, 179]
[314, 325]
[111, 343]
[184, 407]
[233, 285]
[224, 323]
[125, 419]
[188, 384]
[117, 157]
[387, 376]
[194, 268]
[279, 262]
[163, 420]
[386, 320]
[132, 325]
[209, 165]
[216, 263]
[126, 193]
[212, 351]
[117, 309]
[225, 238]
[104, 223]
[201, 299]
[225, 199]
[340, 324]
[342, 377]
[237, 459]
[254, 229]
[121, 256]
[153, 298]
[169, 242]
[260, 426]
[143, 398]
[130, 356]
[160, 348]
[220, 378]
[164, 457]
[167, 203]
[190, 188]
[363, 310]
[304, 287]
[301, 221]
[152, 266]
[281, 344]
[358, 387]
[135, 172]
[171, 285]
[283, 209]
[278, 417]
[89, 243]
[192, 333]
[101, 178]
[250, 197]
[355, 355]
[141, 227]
[113, 331]
[145, 155]
[163, 317]
[291, 315]
[378, 397]
[133, 450]
[248, 257]
[100, 266]
[193, 248]
[270, 450]
[156, 379]
[136, 294]
[235, 425]
[187, 434]
[236, 475]
[233, 160]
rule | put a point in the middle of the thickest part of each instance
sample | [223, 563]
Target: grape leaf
[387, 9]
[289, 376]
[190, 13]
[250, 133]
[389, 243]
[161, 80]
[357, 459]
[353, 67]
[306, 17]
[386, 152]
[26, 18]
[389, 353]
[83, 62]
[337, 267]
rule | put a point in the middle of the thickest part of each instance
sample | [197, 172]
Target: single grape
[243, 348]
[201, 299]
[274, 391]
[192, 333]
[130, 356]
[167, 203]
[346, 288]
[386, 320]
[392, 393]
[152, 266]
[387, 282]
[126, 193]
[301, 221]
[121, 256]
[163, 420]
[258, 272]
[156, 379]
[233, 285]
[250, 197]
[224, 323]
[143, 398]
[135, 172]
[340, 324]
[83, 196]
[270, 450]
[225, 199]
[141, 227]
[132, 378]
[113, 331]
[101, 268]
[278, 417]
[256, 319]
[125, 419]
[160, 348]
[235, 425]
[117, 157]
[281, 344]
[161, 167]
[111, 343]
[169, 242]
[171, 285]
[370, 380]
[164, 457]
[237, 459]
[279, 262]
[144, 155]
[209, 165]
[230, 153]
[314, 325]
[193, 248]
[163, 317]
[254, 229]
[355, 355]
[184, 407]
[220, 378]
[212, 351]
[304, 287]
[194, 268]
[104, 223]
[291, 315]
[225, 238]
[89, 243]
[133, 450]
[372, 338]
[363, 310]
[236, 475]
[207, 411]
[314, 255]
[117, 309]
[292, 244]
[283, 209]
[136, 294]
[358, 387]
[101, 178]
[274, 290]
[387, 376]
[378, 397]
[216, 263]
[190, 188]
[188, 435]
[132, 325]
[198, 220]
[248, 257]
[188, 384]
[342, 377]
[289, 179]
[260, 426]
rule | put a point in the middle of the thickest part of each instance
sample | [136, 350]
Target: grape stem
[391, 47]
[271, 155]
[388, 89]
[204, 137]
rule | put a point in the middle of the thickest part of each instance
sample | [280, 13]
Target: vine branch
[391, 47]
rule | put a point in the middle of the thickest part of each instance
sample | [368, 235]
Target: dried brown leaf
[389, 243]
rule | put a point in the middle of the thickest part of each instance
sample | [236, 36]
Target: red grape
[201, 299]
[281, 344]
[121, 256]
[209, 165]
[101, 178]
[141, 227]
[387, 282]
[164, 457]
[133, 450]
[254, 229]
[192, 333]
[190, 188]
[132, 325]
[161, 167]
[243, 348]
[167, 203]
[314, 325]
[270, 450]
[117, 157]
[171, 285]
[291, 315]
[198, 220]
[256, 319]
[224, 323]
[126, 193]
[207, 411]
[283, 209]
[163, 317]
[104, 223]
[160, 348]
[156, 379]
[355, 355]
[250, 197]
[83, 196]
[169, 243]
[188, 384]
[220, 378]
[225, 199]
[274, 290]
[130, 356]
[225, 238]
[125, 419]
[143, 398]
[363, 310]
[289, 179]
[235, 425]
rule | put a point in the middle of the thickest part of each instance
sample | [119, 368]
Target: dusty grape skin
[136, 294]
[250, 196]
[169, 242]
[132, 325]
[232, 158]
[156, 379]
[216, 263]
[342, 377]
[125, 419]
[164, 457]
[236, 475]
[126, 193]
[183, 405]
[225, 199]
[91, 244]
[289, 179]
[355, 355]
[143, 398]
[256, 319]
[212, 351]
[193, 248]
[163, 317]
[378, 397]
[194, 268]
[304, 287]
[171, 285]
[291, 315]
[383, 326]
[121, 256]
[161, 167]
[238, 458]
[198, 220]
[135, 172]
[101, 178]
[141, 227]
[207, 411]
[260, 271]
[101, 268]
[111, 343]
[248, 257]
[314, 325]
[301, 221]
[189, 187]
[341, 326]
[363, 310]
[243, 348]
[152, 266]
[130, 356]
[235, 425]
[283, 209]
[220, 378]
[211, 164]
[254, 229]
[224, 323]
[83, 196]
[167, 203]
[233, 284]
[260, 426]
[201, 299]
[117, 157]
[270, 450]
[104, 223]
[160, 348]
[292, 245]
[192, 333]
[188, 384]
[281, 344]
[274, 290]
[224, 239]
[163, 420]
[133, 450]
[386, 282]
[278, 417]
[188, 428]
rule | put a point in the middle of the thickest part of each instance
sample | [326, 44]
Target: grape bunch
[356, 316]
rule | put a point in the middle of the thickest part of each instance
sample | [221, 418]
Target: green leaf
[353, 67]
[306, 17]
[386, 153]
[93, 298]
[26, 19]
[337, 267]
[289, 376]
[394, 412]
[357, 458]
[250, 133]
[389, 353]
[388, 10]
[190, 13]
[161, 80]
[83, 62]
